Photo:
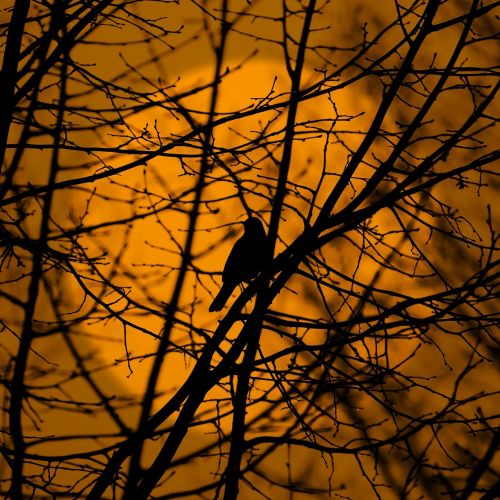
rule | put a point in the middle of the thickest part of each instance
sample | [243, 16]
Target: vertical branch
[8, 75]
[284, 168]
[171, 308]
[26, 337]
[232, 474]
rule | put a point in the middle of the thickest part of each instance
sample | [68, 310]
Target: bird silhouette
[245, 261]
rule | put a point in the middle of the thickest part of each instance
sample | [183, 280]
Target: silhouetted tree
[136, 137]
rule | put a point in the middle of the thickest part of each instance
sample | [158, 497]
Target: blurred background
[139, 83]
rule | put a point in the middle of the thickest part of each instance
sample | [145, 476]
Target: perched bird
[245, 261]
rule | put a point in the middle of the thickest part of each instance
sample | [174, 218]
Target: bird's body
[245, 261]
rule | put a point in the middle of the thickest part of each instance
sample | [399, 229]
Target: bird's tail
[222, 297]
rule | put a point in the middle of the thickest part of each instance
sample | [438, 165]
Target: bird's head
[254, 226]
